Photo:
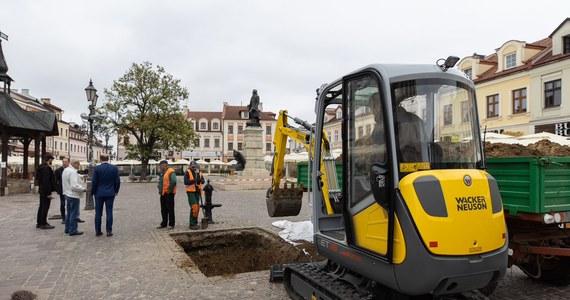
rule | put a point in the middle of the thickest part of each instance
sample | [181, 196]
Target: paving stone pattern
[141, 262]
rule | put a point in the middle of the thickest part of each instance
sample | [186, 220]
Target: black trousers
[62, 206]
[167, 209]
[43, 210]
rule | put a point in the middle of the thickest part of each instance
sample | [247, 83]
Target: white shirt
[71, 183]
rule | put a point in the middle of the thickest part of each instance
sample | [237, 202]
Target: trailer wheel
[554, 270]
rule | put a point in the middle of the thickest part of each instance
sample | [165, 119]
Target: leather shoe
[76, 233]
[80, 221]
[66, 232]
[99, 234]
[110, 234]
[38, 226]
[194, 227]
[160, 227]
[47, 226]
[62, 221]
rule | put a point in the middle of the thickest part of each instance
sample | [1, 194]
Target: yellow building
[520, 87]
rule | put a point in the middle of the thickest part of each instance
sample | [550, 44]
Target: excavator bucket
[284, 202]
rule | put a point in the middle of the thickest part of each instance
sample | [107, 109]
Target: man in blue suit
[105, 186]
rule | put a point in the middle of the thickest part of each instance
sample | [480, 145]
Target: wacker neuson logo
[471, 203]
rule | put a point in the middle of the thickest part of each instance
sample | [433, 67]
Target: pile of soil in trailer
[227, 252]
[540, 148]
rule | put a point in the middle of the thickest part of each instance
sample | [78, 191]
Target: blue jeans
[72, 214]
[108, 201]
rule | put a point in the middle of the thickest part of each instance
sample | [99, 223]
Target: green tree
[145, 103]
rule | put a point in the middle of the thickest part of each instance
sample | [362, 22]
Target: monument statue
[253, 108]
[241, 160]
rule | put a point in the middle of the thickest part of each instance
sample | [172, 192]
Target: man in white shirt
[72, 189]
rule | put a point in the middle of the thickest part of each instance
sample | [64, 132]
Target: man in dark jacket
[46, 181]
[105, 186]
[59, 189]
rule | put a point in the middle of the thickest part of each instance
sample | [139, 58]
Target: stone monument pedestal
[253, 152]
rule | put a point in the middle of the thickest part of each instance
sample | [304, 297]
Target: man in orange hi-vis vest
[193, 180]
[167, 191]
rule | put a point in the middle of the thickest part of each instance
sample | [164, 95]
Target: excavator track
[310, 281]
[313, 281]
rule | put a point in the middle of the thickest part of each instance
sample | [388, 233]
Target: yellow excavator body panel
[371, 232]
[453, 211]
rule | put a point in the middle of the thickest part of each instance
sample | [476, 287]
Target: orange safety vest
[191, 188]
[166, 182]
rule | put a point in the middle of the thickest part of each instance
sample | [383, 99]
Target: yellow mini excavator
[415, 215]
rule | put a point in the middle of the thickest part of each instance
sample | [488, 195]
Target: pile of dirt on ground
[540, 148]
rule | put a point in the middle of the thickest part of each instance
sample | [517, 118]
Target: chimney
[225, 103]
[46, 100]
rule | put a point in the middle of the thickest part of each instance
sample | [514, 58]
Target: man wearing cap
[193, 180]
[46, 181]
[167, 191]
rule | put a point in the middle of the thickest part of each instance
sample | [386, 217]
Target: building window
[519, 101]
[329, 135]
[202, 125]
[268, 147]
[510, 60]
[206, 143]
[240, 129]
[66, 132]
[336, 135]
[55, 145]
[230, 129]
[368, 129]
[447, 114]
[566, 42]
[268, 130]
[339, 114]
[465, 110]
[66, 147]
[215, 126]
[216, 143]
[240, 146]
[230, 146]
[197, 143]
[493, 106]
[468, 73]
[552, 93]
[360, 132]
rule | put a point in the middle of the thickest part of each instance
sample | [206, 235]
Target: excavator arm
[286, 201]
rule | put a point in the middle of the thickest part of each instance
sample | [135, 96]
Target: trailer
[536, 199]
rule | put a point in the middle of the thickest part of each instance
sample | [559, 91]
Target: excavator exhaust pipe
[284, 202]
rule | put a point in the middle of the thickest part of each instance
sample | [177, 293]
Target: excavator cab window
[367, 142]
[435, 125]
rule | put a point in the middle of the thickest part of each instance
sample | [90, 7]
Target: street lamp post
[92, 98]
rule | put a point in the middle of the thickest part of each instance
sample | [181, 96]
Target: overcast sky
[221, 50]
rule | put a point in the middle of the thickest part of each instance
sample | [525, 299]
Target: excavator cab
[418, 214]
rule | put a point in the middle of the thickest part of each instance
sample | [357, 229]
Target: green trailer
[536, 198]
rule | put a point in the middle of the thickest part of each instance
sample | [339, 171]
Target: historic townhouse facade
[208, 127]
[524, 88]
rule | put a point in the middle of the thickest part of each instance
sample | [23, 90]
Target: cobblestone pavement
[141, 262]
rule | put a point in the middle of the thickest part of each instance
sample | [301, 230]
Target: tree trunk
[144, 166]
